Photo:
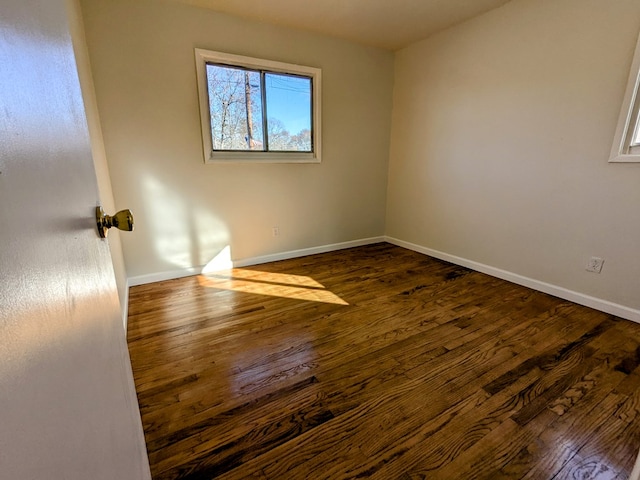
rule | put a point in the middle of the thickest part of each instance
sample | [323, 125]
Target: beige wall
[502, 128]
[142, 56]
[97, 146]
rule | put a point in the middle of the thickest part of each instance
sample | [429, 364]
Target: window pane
[289, 112]
[235, 105]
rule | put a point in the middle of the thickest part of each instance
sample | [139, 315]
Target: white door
[68, 407]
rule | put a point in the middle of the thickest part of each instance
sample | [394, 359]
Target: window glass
[289, 112]
[235, 105]
[238, 122]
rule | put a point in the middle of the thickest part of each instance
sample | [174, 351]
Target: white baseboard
[306, 251]
[576, 297]
[245, 262]
[161, 276]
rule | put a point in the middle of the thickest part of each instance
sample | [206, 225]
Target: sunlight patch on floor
[296, 287]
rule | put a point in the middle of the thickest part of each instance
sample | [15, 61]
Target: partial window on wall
[626, 143]
[255, 110]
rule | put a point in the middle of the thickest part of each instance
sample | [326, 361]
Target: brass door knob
[123, 220]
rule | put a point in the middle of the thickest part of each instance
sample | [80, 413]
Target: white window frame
[622, 150]
[210, 156]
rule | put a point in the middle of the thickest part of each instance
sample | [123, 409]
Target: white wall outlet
[595, 264]
[276, 231]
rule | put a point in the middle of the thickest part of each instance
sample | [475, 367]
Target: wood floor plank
[466, 430]
[379, 362]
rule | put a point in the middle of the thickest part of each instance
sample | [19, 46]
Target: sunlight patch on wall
[182, 234]
[220, 262]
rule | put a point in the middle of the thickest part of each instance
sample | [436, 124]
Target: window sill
[625, 158]
[262, 157]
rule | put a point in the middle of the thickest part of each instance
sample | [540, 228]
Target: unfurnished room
[327, 239]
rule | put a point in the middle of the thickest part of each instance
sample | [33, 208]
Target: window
[626, 143]
[255, 110]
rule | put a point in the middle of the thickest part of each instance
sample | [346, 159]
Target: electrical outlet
[595, 264]
[276, 231]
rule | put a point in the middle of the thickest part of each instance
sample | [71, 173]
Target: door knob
[123, 220]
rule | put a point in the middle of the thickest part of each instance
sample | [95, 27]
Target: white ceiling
[389, 24]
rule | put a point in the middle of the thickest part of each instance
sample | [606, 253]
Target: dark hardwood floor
[378, 362]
